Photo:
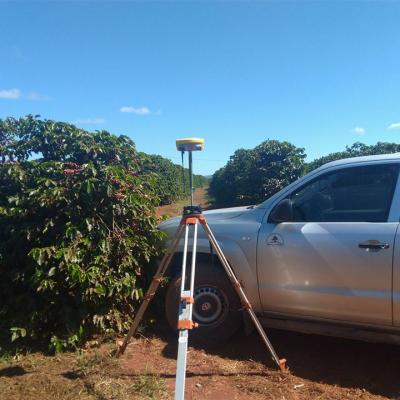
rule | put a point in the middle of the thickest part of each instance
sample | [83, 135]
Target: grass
[93, 374]
[7, 356]
[150, 386]
[88, 363]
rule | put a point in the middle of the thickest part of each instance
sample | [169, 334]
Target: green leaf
[100, 290]
[14, 336]
[17, 333]
[88, 224]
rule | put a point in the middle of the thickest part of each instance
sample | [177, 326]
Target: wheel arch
[236, 259]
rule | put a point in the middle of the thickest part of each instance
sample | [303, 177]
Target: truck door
[333, 259]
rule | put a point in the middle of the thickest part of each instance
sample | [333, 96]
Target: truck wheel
[216, 305]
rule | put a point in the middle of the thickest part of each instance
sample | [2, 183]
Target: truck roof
[343, 161]
[353, 160]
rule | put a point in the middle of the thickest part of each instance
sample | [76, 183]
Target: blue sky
[321, 75]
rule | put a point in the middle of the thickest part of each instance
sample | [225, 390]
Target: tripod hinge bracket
[187, 299]
[246, 305]
[237, 284]
[148, 296]
[184, 324]
[192, 219]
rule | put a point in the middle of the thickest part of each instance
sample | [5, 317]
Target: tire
[216, 308]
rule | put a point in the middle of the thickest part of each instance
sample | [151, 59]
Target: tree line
[252, 175]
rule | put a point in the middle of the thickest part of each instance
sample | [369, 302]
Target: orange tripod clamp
[187, 324]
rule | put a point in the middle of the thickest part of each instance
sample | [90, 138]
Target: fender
[244, 273]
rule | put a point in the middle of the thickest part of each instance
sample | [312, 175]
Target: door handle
[373, 245]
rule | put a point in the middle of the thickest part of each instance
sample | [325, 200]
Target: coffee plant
[78, 231]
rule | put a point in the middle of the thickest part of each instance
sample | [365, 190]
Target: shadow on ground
[334, 361]
[10, 372]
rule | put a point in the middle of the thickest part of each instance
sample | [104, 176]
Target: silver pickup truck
[320, 256]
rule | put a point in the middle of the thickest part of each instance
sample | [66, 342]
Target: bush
[251, 176]
[78, 229]
[355, 150]
[169, 179]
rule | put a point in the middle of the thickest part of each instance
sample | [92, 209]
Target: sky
[321, 75]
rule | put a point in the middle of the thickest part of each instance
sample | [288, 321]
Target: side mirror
[282, 212]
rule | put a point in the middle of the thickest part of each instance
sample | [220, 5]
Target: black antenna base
[192, 210]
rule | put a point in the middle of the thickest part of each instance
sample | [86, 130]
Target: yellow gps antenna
[189, 145]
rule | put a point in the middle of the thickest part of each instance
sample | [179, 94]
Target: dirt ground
[319, 368]
[199, 198]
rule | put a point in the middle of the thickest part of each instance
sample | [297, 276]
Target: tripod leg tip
[282, 364]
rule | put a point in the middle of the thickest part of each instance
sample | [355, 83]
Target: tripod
[192, 216]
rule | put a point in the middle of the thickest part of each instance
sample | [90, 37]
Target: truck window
[354, 194]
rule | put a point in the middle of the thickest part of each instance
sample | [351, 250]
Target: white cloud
[395, 125]
[135, 110]
[90, 121]
[358, 130]
[10, 94]
[15, 94]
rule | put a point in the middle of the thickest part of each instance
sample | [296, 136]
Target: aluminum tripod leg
[152, 288]
[185, 313]
[243, 298]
